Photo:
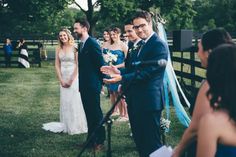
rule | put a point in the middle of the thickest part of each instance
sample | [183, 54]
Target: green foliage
[116, 10]
[45, 18]
[222, 11]
[181, 15]
[30, 16]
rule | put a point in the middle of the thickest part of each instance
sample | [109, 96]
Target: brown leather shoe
[82, 145]
[99, 147]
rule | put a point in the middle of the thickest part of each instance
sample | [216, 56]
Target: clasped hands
[113, 72]
[66, 84]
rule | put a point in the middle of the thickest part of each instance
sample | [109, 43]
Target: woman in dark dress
[208, 42]
[217, 129]
[23, 55]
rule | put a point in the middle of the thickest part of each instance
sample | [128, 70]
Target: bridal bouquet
[110, 58]
[165, 124]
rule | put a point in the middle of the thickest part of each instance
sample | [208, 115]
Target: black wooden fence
[33, 52]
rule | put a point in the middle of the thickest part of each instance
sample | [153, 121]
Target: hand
[114, 79]
[63, 84]
[110, 70]
[69, 83]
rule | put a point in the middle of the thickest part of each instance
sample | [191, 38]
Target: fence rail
[33, 55]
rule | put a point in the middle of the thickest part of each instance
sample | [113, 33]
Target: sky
[83, 4]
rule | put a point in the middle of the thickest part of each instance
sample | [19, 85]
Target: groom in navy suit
[90, 61]
[145, 95]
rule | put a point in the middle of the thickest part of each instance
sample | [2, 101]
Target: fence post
[192, 58]
[182, 65]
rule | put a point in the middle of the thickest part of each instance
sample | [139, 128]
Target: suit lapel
[85, 45]
[137, 52]
[146, 47]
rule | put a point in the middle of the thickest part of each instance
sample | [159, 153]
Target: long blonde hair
[70, 37]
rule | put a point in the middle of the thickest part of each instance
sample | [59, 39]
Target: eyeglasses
[139, 26]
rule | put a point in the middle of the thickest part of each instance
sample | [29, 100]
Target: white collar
[136, 42]
[146, 40]
[84, 39]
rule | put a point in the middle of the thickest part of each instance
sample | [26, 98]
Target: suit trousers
[145, 126]
[91, 104]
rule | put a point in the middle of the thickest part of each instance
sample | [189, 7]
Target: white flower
[165, 124]
[109, 57]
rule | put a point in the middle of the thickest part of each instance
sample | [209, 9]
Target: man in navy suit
[145, 95]
[90, 80]
[134, 44]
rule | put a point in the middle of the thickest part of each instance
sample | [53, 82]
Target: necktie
[80, 47]
[142, 43]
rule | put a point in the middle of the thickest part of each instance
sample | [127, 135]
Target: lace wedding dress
[72, 116]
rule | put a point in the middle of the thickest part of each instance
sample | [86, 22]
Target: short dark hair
[128, 22]
[221, 76]
[214, 38]
[143, 14]
[83, 23]
[22, 39]
[106, 30]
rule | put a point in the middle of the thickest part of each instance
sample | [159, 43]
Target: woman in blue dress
[217, 129]
[118, 49]
[105, 44]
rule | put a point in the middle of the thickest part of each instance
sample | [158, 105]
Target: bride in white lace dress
[72, 116]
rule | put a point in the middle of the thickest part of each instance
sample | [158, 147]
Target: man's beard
[77, 35]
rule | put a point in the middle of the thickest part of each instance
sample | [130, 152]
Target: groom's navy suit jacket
[146, 89]
[90, 61]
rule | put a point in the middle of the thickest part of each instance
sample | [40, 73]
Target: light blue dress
[120, 59]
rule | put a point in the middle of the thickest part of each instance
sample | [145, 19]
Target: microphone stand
[106, 119]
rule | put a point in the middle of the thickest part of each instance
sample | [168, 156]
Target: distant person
[72, 116]
[217, 129]
[125, 39]
[106, 39]
[7, 47]
[43, 52]
[106, 43]
[23, 54]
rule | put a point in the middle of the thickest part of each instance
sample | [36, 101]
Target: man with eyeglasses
[145, 96]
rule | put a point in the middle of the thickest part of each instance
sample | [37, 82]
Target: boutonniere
[135, 48]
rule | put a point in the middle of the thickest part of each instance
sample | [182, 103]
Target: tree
[181, 15]
[222, 11]
[26, 17]
[90, 15]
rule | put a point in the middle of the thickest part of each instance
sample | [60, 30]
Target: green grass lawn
[30, 97]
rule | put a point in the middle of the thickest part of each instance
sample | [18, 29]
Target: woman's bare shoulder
[57, 49]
